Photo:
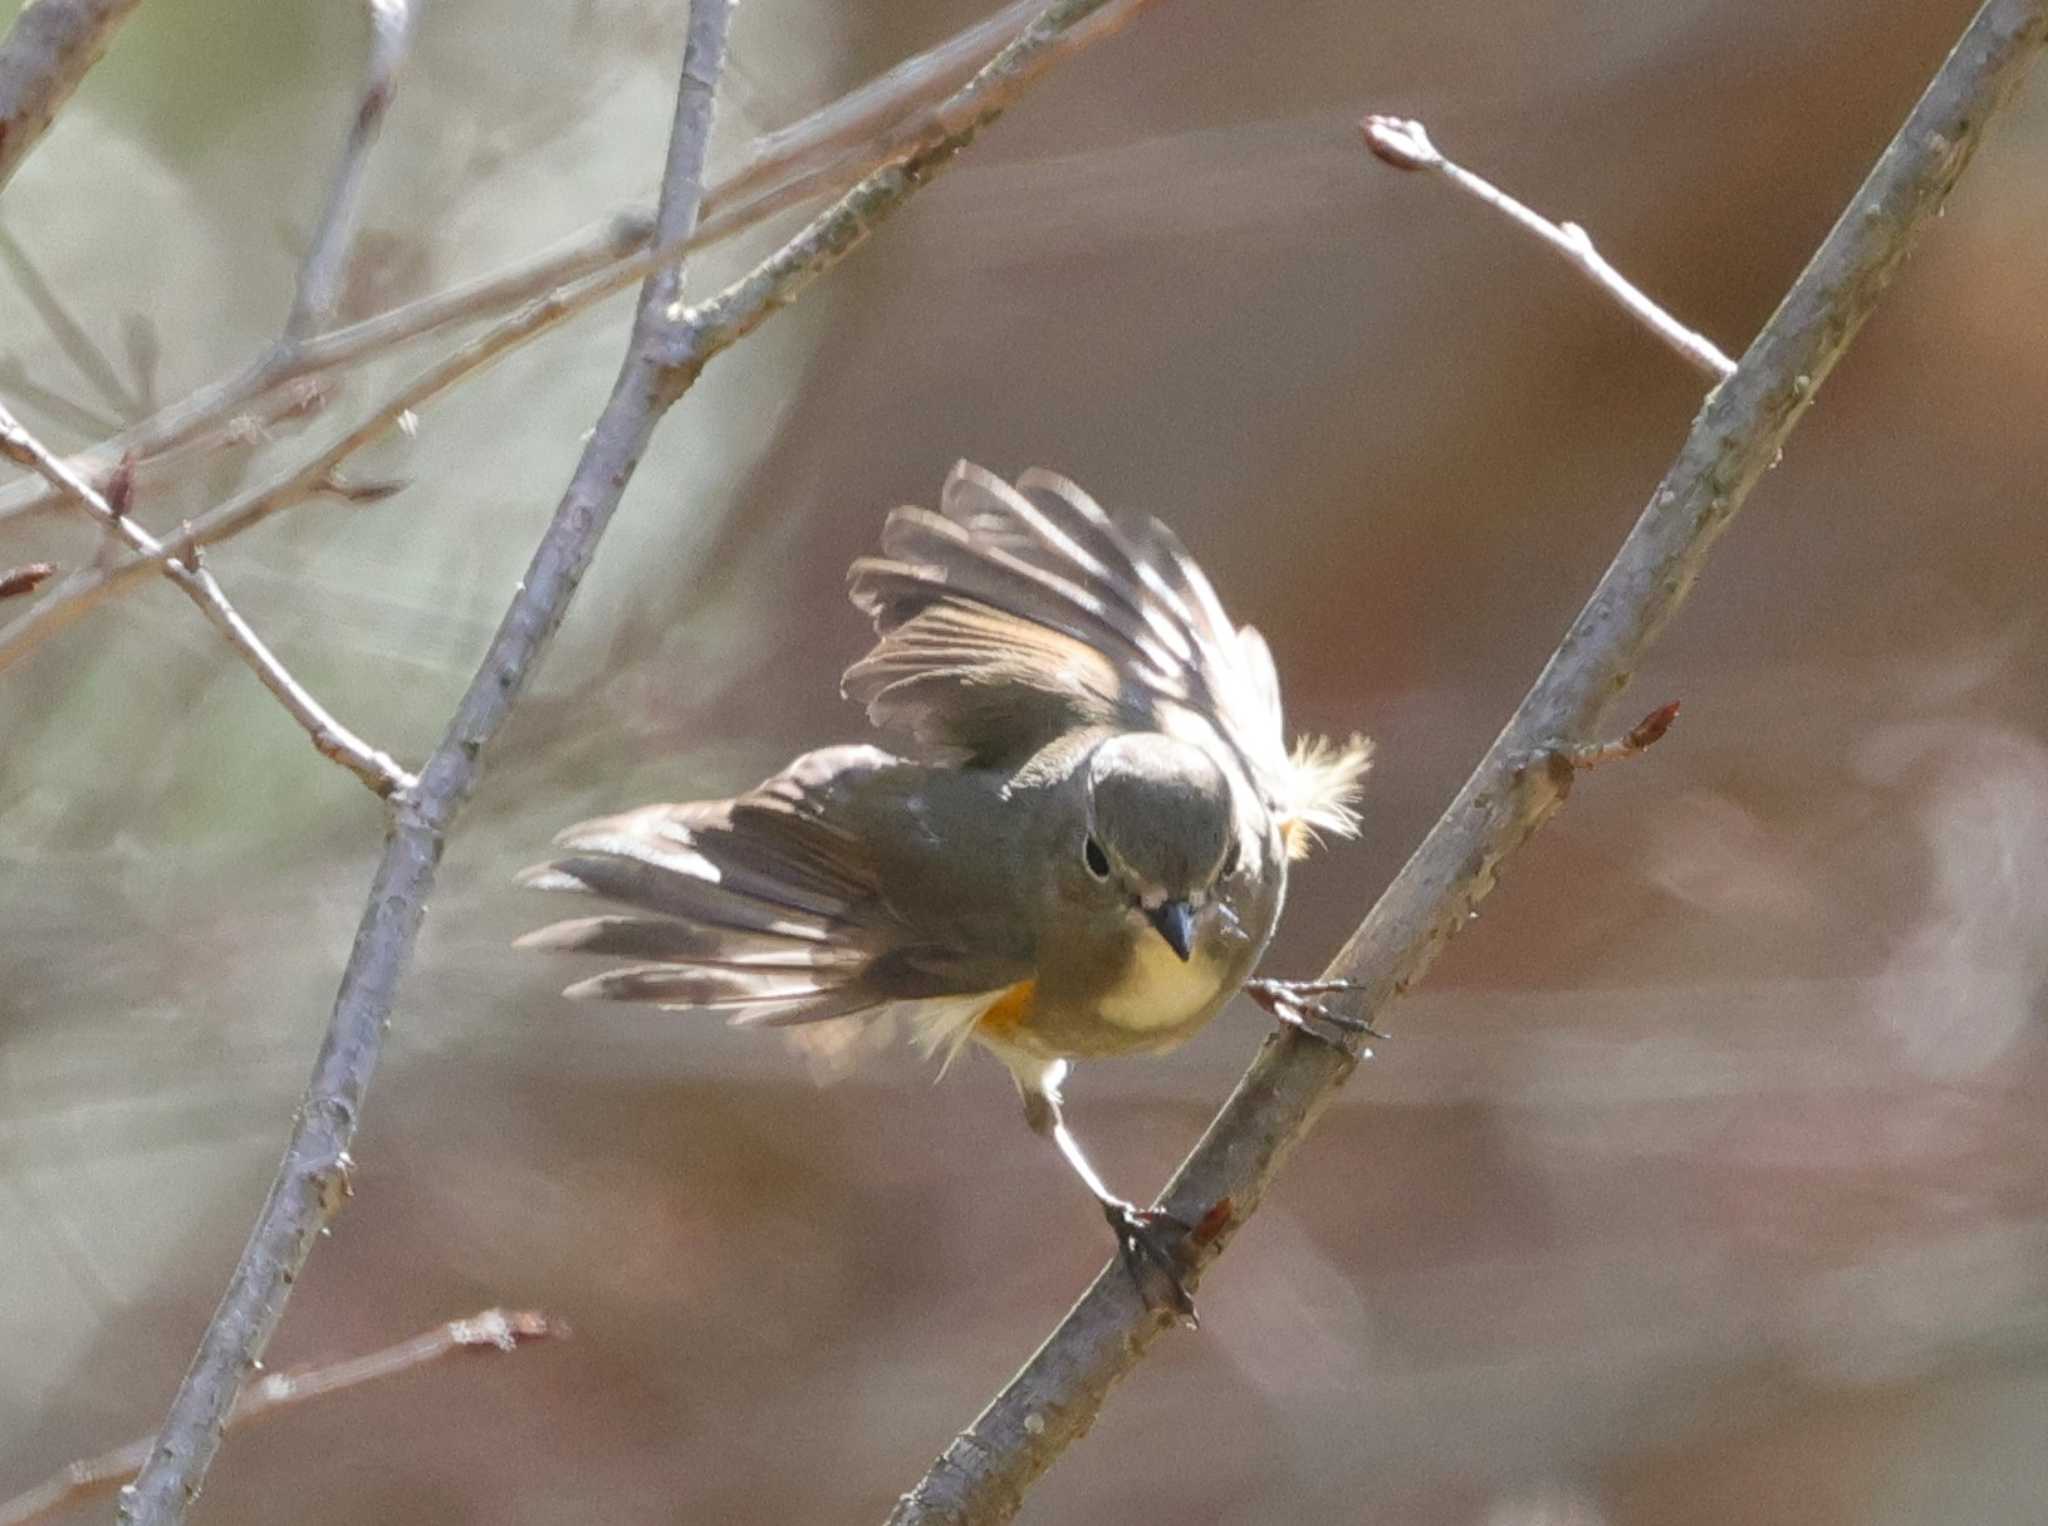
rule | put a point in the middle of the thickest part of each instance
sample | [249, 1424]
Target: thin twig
[668, 351]
[982, 1475]
[1633, 743]
[925, 130]
[1402, 142]
[853, 121]
[822, 154]
[332, 739]
[47, 52]
[91, 586]
[492, 1330]
[78, 346]
[325, 267]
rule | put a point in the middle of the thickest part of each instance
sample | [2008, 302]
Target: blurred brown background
[1703, 1182]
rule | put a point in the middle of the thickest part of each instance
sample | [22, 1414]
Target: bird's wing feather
[1017, 614]
[962, 676]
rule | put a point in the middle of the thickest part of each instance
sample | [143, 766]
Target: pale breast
[1158, 989]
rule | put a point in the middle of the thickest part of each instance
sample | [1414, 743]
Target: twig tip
[335, 485]
[1645, 734]
[1651, 728]
[504, 1330]
[28, 577]
[1399, 141]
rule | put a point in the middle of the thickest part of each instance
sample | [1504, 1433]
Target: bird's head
[1161, 829]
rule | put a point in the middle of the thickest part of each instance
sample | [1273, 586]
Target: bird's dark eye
[1096, 860]
[1231, 858]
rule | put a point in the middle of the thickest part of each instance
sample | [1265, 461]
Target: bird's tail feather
[760, 904]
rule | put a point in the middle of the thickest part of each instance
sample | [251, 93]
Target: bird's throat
[1158, 989]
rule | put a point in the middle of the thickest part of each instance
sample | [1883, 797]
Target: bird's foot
[1300, 1005]
[1152, 1243]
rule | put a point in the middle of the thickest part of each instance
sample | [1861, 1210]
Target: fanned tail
[761, 904]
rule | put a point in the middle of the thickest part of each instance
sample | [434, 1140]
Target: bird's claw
[1300, 1005]
[1151, 1243]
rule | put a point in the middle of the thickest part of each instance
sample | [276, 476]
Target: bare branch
[47, 51]
[332, 739]
[325, 267]
[492, 1330]
[822, 154]
[928, 131]
[321, 276]
[90, 586]
[982, 1475]
[1402, 143]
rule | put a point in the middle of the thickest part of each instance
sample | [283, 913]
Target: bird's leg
[1149, 1240]
[1300, 1005]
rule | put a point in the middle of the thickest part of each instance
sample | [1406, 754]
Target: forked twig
[918, 132]
[820, 155]
[333, 740]
[274, 386]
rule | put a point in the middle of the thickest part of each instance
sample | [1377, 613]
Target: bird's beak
[1176, 923]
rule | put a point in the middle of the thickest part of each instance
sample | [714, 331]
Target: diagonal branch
[822, 154]
[491, 1330]
[1404, 143]
[313, 1180]
[330, 738]
[47, 52]
[669, 349]
[1524, 777]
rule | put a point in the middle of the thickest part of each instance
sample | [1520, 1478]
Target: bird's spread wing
[1015, 614]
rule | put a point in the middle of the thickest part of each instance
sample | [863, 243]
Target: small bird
[1078, 848]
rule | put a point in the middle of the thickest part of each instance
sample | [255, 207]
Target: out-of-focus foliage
[1704, 1180]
